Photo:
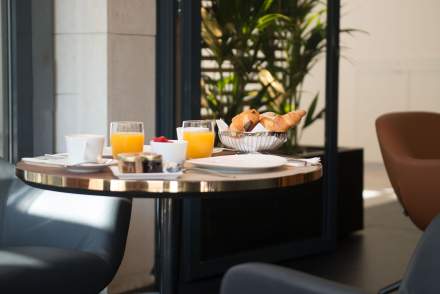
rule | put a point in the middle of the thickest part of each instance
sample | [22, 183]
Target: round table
[194, 183]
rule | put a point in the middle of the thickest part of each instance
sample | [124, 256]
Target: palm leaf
[311, 117]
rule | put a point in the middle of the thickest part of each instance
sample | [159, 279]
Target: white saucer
[90, 167]
[60, 160]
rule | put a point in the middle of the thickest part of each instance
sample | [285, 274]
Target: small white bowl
[173, 151]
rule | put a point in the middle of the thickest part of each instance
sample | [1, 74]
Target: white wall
[80, 68]
[131, 96]
[395, 67]
[105, 67]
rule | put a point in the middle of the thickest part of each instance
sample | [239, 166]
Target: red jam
[161, 139]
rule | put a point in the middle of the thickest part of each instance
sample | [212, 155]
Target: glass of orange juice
[126, 137]
[200, 136]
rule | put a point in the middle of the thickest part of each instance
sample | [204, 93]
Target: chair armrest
[422, 273]
[259, 278]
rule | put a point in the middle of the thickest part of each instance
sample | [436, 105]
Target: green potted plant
[233, 35]
[257, 54]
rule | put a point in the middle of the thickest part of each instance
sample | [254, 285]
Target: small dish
[171, 151]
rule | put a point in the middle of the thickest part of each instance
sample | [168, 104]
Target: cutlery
[306, 161]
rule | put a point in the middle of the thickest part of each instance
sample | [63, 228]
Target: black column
[190, 59]
[166, 68]
[331, 116]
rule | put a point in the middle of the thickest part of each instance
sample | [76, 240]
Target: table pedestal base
[166, 217]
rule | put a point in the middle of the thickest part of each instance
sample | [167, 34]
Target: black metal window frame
[4, 116]
[29, 35]
[185, 15]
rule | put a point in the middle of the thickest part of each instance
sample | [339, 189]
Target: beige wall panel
[135, 17]
[131, 79]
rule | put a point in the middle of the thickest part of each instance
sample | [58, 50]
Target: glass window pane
[268, 58]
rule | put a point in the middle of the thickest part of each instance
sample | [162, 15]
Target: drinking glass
[200, 136]
[126, 137]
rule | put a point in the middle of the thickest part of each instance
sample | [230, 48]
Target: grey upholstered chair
[421, 275]
[57, 242]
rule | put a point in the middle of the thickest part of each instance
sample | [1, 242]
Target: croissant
[245, 121]
[281, 123]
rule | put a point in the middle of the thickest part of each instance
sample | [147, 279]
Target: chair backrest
[410, 147]
[34, 217]
[424, 267]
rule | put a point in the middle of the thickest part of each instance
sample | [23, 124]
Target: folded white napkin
[59, 159]
[221, 125]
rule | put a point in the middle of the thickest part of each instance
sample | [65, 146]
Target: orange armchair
[410, 145]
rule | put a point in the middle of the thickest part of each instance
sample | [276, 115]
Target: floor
[376, 256]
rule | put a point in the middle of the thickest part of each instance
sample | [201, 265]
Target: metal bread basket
[252, 142]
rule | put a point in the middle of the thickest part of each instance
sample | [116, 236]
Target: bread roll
[245, 121]
[281, 123]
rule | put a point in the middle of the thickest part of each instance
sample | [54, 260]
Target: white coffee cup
[179, 132]
[173, 151]
[84, 148]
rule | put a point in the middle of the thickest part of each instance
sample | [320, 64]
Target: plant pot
[350, 186]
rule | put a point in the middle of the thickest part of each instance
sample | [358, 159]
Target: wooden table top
[191, 182]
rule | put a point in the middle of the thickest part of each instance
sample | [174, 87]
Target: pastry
[245, 121]
[145, 162]
[281, 123]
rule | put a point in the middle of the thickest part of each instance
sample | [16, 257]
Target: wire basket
[252, 142]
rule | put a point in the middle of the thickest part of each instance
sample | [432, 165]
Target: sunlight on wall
[17, 260]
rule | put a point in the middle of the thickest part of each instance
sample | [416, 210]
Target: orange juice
[200, 144]
[126, 142]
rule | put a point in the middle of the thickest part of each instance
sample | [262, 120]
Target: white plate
[144, 176]
[240, 162]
